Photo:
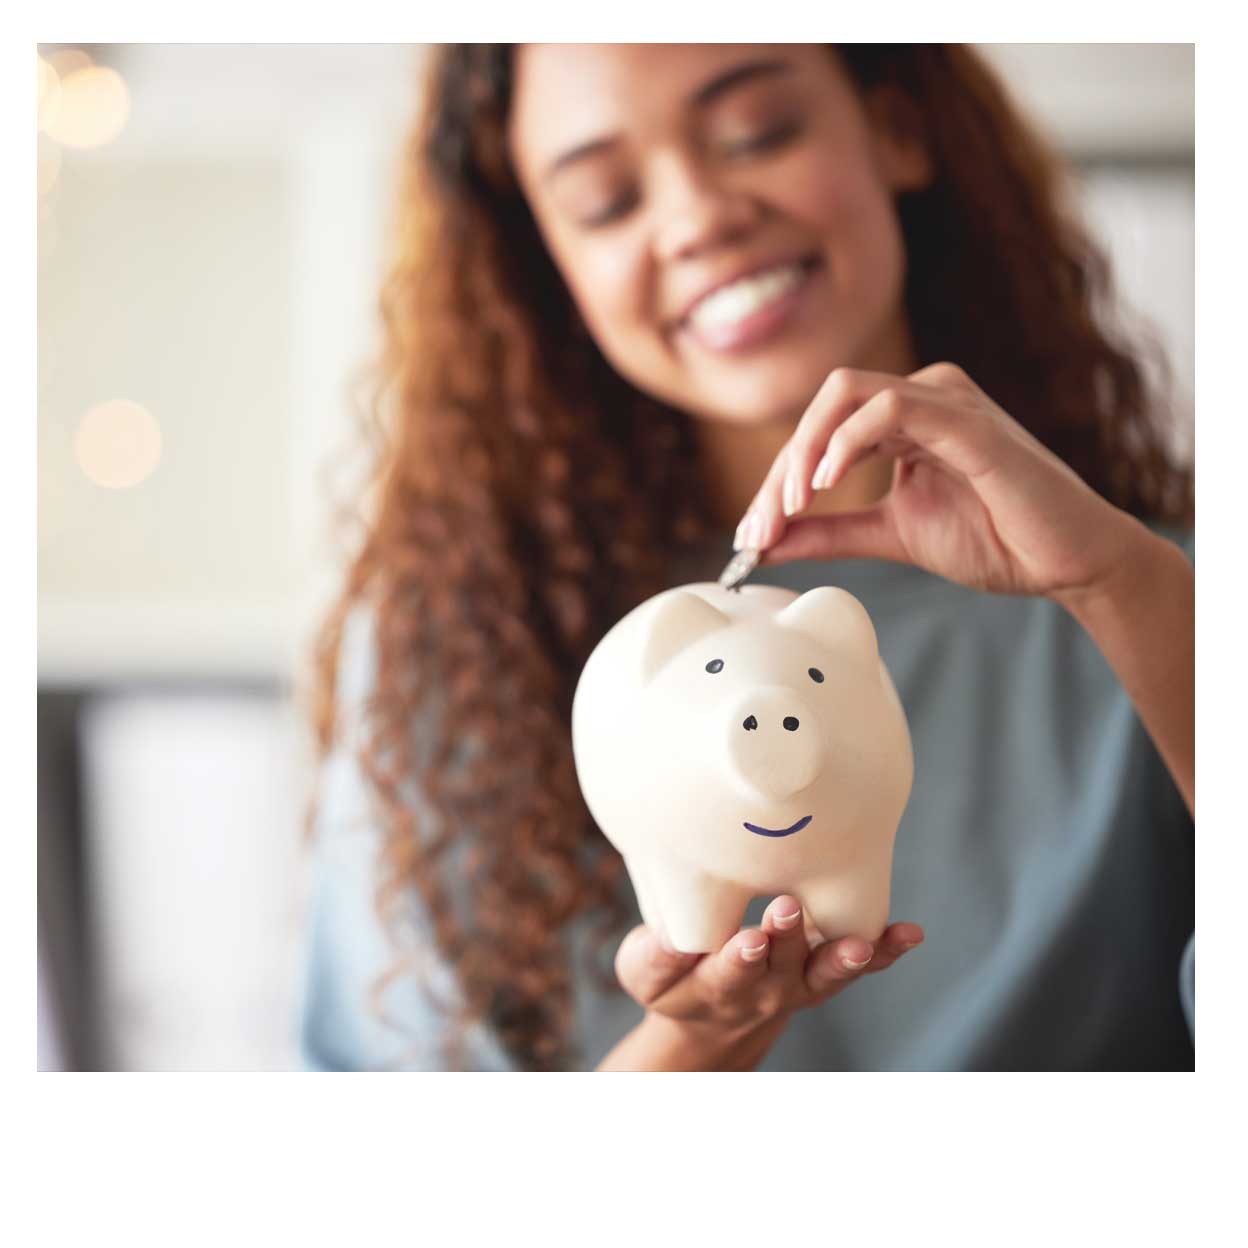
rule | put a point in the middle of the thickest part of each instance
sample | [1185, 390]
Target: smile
[752, 312]
[797, 827]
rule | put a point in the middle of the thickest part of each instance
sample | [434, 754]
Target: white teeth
[730, 304]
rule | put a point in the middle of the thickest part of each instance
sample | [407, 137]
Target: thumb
[865, 534]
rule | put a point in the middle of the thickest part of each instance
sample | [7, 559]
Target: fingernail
[745, 530]
[790, 495]
[786, 921]
[857, 966]
[768, 523]
[753, 530]
[911, 944]
[752, 953]
[823, 474]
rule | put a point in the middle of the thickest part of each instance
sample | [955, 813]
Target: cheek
[855, 217]
[609, 290]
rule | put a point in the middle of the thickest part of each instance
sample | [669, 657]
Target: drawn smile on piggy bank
[797, 827]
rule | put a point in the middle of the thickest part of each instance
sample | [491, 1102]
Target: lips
[807, 261]
[797, 827]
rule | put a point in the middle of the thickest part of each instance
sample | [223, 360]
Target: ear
[899, 139]
[834, 618]
[676, 622]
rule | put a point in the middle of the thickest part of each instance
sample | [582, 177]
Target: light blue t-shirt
[1045, 849]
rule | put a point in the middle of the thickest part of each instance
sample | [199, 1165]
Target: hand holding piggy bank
[737, 743]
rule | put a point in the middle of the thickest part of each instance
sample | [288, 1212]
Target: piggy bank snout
[774, 746]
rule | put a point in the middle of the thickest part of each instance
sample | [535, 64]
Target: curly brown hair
[525, 496]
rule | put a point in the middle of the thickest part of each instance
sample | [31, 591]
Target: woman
[827, 301]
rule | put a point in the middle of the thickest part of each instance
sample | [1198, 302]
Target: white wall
[218, 263]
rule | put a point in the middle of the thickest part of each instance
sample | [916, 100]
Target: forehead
[565, 92]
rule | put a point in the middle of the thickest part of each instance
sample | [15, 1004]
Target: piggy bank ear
[676, 622]
[834, 618]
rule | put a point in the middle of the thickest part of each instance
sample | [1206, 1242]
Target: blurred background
[211, 221]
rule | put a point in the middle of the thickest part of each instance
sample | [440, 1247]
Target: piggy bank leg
[698, 912]
[853, 905]
[646, 902]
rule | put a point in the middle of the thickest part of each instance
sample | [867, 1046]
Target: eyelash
[768, 139]
[748, 147]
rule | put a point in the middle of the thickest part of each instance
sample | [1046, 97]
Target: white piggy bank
[733, 743]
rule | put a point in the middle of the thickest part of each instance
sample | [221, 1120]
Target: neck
[735, 458]
[735, 461]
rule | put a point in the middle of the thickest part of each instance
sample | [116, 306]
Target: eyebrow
[704, 95]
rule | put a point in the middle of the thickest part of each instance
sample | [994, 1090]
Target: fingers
[757, 528]
[646, 969]
[857, 412]
[877, 421]
[765, 969]
[739, 965]
[786, 489]
[782, 922]
[866, 534]
[837, 963]
[730, 975]
[898, 418]
[896, 940]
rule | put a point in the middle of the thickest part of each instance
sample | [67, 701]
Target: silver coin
[739, 567]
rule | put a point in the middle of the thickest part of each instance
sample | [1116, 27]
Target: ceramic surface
[738, 743]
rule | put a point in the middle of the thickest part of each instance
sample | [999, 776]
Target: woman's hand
[724, 1010]
[974, 498]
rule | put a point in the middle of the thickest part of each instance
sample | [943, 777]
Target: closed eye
[613, 212]
[762, 142]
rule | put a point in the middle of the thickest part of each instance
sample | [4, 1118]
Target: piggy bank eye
[715, 665]
[816, 675]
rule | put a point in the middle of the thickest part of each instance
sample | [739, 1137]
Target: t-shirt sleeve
[343, 1023]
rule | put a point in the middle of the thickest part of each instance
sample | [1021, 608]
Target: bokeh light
[68, 61]
[94, 105]
[118, 444]
[49, 93]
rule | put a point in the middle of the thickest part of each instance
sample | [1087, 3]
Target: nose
[697, 213]
[774, 745]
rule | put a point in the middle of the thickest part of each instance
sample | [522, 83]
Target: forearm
[661, 1043]
[1143, 620]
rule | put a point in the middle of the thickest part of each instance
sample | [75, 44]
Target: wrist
[1142, 619]
[1139, 565]
[664, 1043]
[719, 1046]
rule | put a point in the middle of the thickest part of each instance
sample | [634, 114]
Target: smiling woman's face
[659, 172]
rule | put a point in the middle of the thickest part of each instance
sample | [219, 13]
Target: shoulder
[355, 1013]
[341, 791]
[363, 1005]
[356, 675]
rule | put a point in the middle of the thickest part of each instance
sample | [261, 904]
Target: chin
[746, 401]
